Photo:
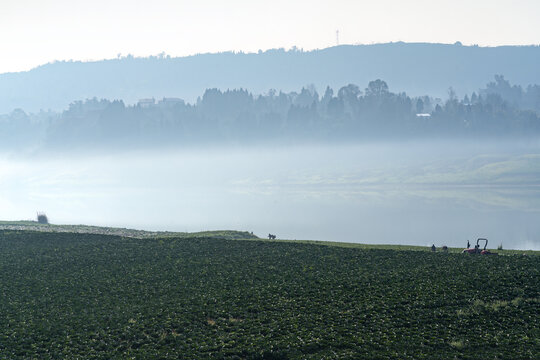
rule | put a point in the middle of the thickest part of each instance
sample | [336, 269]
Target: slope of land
[68, 295]
[33, 226]
[103, 230]
[417, 68]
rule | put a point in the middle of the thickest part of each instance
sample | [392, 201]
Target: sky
[34, 32]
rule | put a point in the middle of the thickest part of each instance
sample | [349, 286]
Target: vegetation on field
[103, 230]
[67, 295]
[42, 218]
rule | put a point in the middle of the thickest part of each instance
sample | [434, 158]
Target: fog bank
[393, 193]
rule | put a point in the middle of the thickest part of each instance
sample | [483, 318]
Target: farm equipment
[476, 249]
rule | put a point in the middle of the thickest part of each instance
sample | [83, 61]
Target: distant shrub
[500, 247]
[42, 218]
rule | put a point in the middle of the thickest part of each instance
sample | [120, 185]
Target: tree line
[350, 114]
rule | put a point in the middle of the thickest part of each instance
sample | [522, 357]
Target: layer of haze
[398, 193]
[34, 32]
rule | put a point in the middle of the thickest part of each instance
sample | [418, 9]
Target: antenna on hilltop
[337, 37]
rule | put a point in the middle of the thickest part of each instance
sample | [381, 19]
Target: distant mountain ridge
[417, 68]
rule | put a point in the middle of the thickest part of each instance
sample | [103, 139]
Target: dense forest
[349, 114]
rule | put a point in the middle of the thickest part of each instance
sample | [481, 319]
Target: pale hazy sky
[34, 32]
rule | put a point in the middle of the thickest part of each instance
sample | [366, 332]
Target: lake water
[392, 193]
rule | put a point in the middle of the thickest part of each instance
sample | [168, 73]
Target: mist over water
[393, 193]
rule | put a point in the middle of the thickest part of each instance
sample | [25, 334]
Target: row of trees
[237, 115]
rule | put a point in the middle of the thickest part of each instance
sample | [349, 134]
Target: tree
[349, 92]
[42, 218]
[419, 106]
[377, 88]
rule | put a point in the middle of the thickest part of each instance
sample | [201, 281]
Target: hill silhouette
[418, 68]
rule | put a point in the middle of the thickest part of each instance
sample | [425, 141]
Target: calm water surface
[421, 193]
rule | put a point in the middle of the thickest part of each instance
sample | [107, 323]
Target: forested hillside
[418, 68]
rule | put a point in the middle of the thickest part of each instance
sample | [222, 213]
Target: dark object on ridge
[445, 248]
[477, 250]
[42, 218]
[271, 236]
[433, 247]
[468, 244]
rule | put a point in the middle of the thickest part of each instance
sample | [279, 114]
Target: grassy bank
[28, 225]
